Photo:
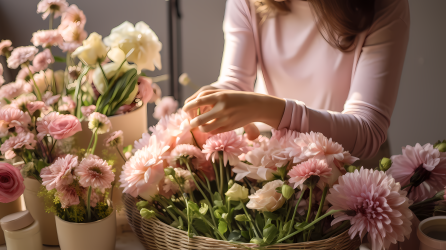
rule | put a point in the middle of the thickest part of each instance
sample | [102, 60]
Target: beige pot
[98, 235]
[432, 233]
[36, 206]
[7, 209]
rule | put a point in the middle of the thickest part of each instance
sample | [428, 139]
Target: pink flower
[59, 174]
[11, 117]
[24, 73]
[145, 89]
[68, 196]
[141, 143]
[313, 167]
[94, 172]
[426, 162]
[115, 139]
[124, 109]
[49, 98]
[166, 106]
[2, 80]
[69, 47]
[144, 169]
[5, 46]
[72, 33]
[47, 38]
[267, 199]
[186, 151]
[14, 89]
[73, 15]
[94, 197]
[58, 126]
[22, 101]
[88, 110]
[99, 123]
[173, 129]
[11, 183]
[67, 104]
[43, 59]
[257, 169]
[22, 140]
[34, 106]
[229, 143]
[375, 205]
[43, 123]
[48, 6]
[21, 55]
[156, 93]
[170, 186]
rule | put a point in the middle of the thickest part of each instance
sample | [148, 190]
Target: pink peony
[22, 101]
[64, 126]
[48, 6]
[5, 47]
[187, 151]
[426, 162]
[42, 60]
[24, 73]
[47, 38]
[69, 47]
[14, 89]
[115, 139]
[313, 167]
[2, 80]
[22, 140]
[59, 174]
[166, 106]
[229, 143]
[49, 98]
[145, 89]
[68, 196]
[34, 106]
[72, 33]
[88, 110]
[99, 123]
[11, 117]
[94, 172]
[73, 15]
[374, 204]
[267, 199]
[67, 104]
[11, 183]
[21, 55]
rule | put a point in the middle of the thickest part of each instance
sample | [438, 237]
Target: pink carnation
[229, 143]
[14, 89]
[145, 89]
[88, 110]
[375, 204]
[94, 172]
[313, 167]
[5, 46]
[258, 167]
[68, 196]
[22, 140]
[48, 6]
[115, 139]
[21, 55]
[47, 38]
[42, 60]
[11, 183]
[59, 174]
[49, 98]
[24, 73]
[165, 107]
[69, 47]
[11, 117]
[72, 33]
[425, 161]
[34, 106]
[22, 101]
[141, 143]
[73, 15]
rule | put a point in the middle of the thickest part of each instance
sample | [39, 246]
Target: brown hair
[339, 21]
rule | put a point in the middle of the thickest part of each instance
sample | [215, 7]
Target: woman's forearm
[270, 109]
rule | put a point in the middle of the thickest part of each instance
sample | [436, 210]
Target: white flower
[99, 123]
[267, 199]
[142, 39]
[92, 49]
[237, 193]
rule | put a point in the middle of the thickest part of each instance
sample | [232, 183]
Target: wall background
[420, 112]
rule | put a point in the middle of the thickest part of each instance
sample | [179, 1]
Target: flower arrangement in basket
[285, 189]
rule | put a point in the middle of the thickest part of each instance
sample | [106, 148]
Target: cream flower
[99, 123]
[142, 39]
[237, 193]
[92, 49]
[267, 199]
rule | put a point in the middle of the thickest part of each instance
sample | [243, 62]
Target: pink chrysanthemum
[115, 139]
[141, 143]
[47, 6]
[49, 98]
[34, 106]
[11, 117]
[94, 172]
[69, 47]
[284, 136]
[166, 106]
[73, 15]
[24, 73]
[42, 60]
[59, 174]
[5, 46]
[173, 129]
[47, 38]
[229, 143]
[425, 161]
[14, 89]
[88, 110]
[313, 167]
[73, 33]
[22, 101]
[99, 123]
[187, 151]
[67, 196]
[21, 55]
[144, 169]
[22, 140]
[375, 204]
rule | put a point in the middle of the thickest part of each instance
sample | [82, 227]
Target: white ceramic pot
[98, 235]
[36, 206]
[432, 233]
[7, 209]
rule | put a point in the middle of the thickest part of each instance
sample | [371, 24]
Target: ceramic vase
[36, 206]
[7, 209]
[432, 233]
[98, 235]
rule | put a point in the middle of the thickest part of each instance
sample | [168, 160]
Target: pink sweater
[346, 96]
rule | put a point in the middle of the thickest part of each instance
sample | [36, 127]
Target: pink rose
[64, 126]
[11, 183]
[145, 89]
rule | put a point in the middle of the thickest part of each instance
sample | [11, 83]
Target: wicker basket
[154, 234]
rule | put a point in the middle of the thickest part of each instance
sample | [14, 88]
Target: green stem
[208, 184]
[103, 74]
[109, 87]
[38, 94]
[51, 19]
[229, 218]
[91, 141]
[309, 205]
[250, 220]
[222, 177]
[216, 177]
[122, 156]
[408, 185]
[321, 206]
[88, 204]
[95, 142]
[295, 211]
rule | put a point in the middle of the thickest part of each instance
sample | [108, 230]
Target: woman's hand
[235, 109]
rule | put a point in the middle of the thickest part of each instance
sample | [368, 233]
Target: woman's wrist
[271, 109]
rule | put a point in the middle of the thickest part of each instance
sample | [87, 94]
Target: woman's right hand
[202, 89]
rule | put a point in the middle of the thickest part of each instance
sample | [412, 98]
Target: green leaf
[245, 235]
[128, 149]
[270, 232]
[204, 208]
[222, 226]
[256, 240]
[6, 100]
[236, 236]
[217, 197]
[218, 203]
[59, 59]
[241, 217]
[193, 206]
[217, 214]
[279, 190]
[147, 214]
[239, 206]
[260, 221]
[142, 204]
[201, 226]
[301, 225]
[270, 215]
[181, 226]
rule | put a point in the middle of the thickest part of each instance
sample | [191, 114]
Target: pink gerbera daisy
[22, 140]
[313, 167]
[21, 55]
[229, 143]
[48, 6]
[374, 204]
[59, 174]
[11, 117]
[14, 89]
[73, 15]
[42, 60]
[115, 139]
[67, 196]
[22, 101]
[429, 166]
[47, 38]
[94, 172]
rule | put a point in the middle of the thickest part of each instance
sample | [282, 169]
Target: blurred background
[419, 115]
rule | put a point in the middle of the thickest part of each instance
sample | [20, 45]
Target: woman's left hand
[235, 109]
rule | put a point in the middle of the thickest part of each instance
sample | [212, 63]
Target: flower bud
[241, 217]
[237, 193]
[441, 195]
[441, 146]
[385, 164]
[142, 204]
[230, 183]
[287, 191]
[184, 79]
[147, 214]
[169, 171]
[350, 168]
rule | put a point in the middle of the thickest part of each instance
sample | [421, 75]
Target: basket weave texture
[155, 234]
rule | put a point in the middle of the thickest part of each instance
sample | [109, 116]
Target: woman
[329, 66]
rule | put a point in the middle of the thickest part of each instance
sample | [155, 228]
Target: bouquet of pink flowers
[293, 187]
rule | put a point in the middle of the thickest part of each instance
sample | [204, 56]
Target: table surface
[124, 241]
